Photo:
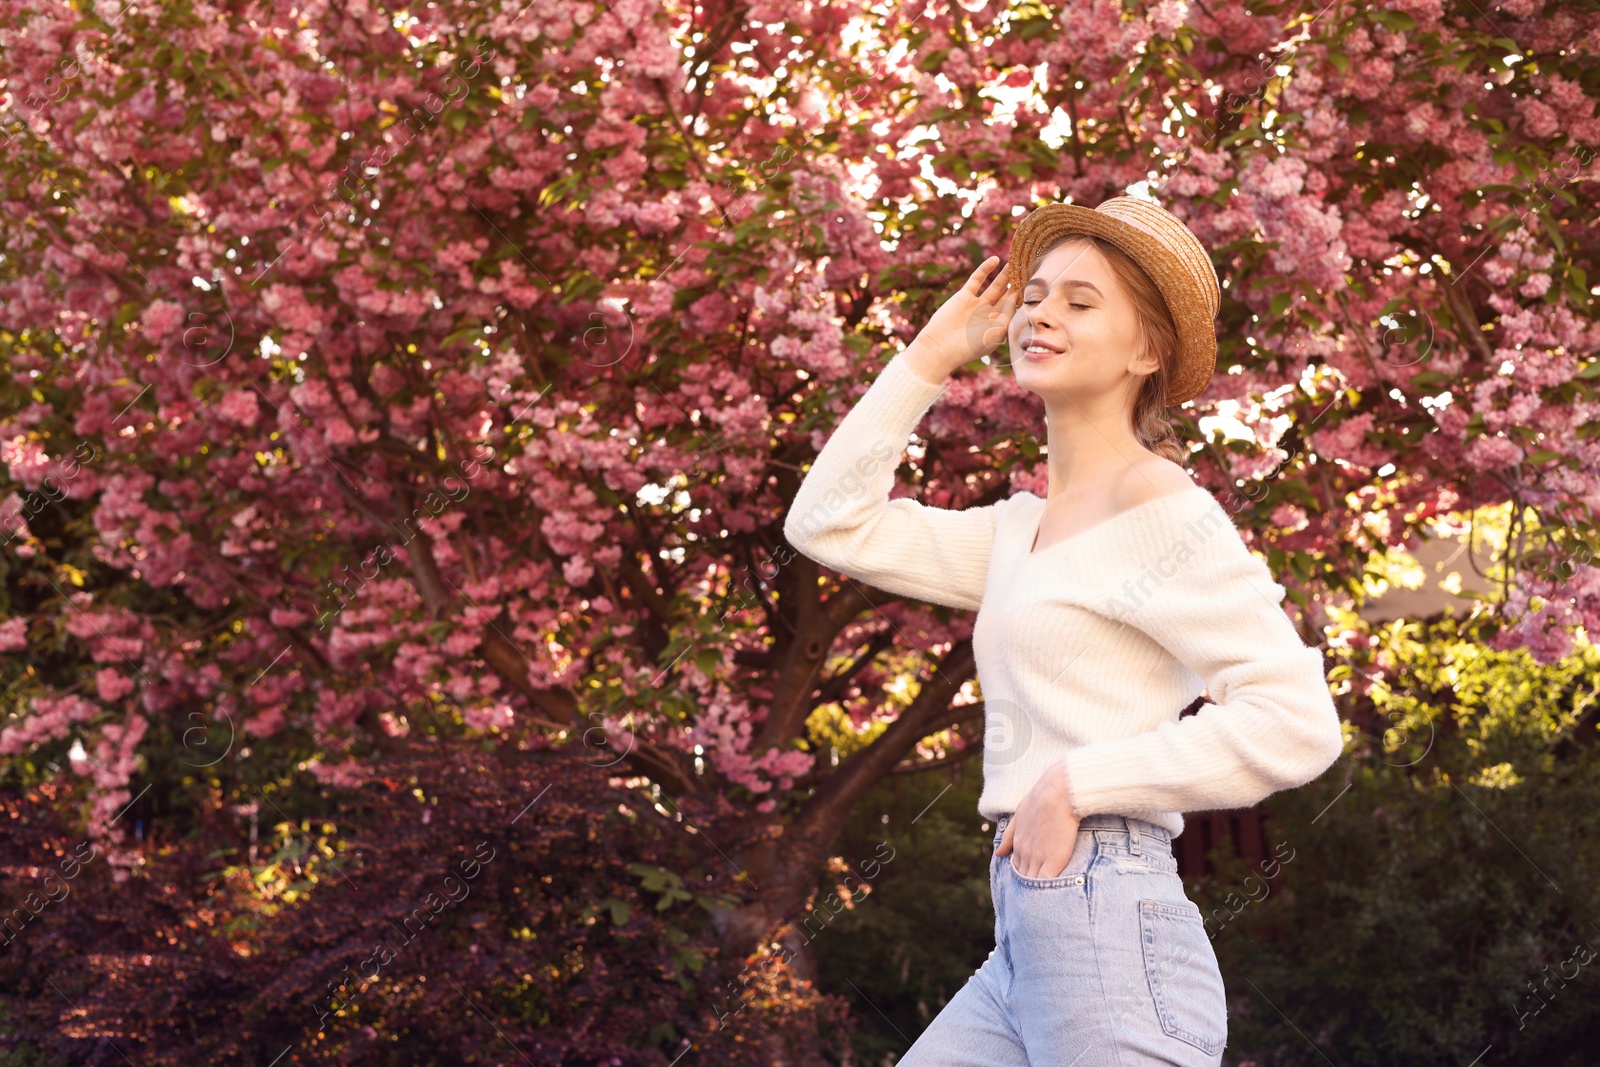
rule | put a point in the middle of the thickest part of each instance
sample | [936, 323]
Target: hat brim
[1193, 309]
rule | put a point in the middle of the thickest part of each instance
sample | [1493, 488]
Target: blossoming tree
[376, 370]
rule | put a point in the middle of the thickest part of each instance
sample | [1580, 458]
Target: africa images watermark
[33, 905]
[47, 493]
[1561, 979]
[833, 906]
[1256, 888]
[354, 176]
[850, 487]
[1140, 590]
[434, 503]
[385, 953]
[28, 107]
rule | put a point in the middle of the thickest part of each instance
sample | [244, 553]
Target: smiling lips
[1037, 349]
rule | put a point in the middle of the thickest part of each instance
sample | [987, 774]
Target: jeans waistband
[1134, 827]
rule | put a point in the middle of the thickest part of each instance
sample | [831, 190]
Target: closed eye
[1030, 303]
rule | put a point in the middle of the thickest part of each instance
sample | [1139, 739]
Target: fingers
[975, 280]
[1005, 839]
[997, 285]
[1037, 859]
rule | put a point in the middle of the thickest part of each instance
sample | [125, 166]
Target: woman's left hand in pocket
[1043, 832]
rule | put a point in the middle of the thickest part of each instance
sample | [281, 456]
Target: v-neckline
[1034, 550]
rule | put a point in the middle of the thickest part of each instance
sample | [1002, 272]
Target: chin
[1038, 370]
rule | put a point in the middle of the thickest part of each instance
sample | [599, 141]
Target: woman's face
[1075, 330]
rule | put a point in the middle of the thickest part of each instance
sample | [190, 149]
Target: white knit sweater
[1088, 650]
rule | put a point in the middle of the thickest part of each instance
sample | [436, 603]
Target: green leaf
[660, 880]
[1396, 21]
[466, 333]
[620, 911]
[457, 120]
[1544, 455]
[689, 959]
[1576, 281]
[559, 188]
[1553, 231]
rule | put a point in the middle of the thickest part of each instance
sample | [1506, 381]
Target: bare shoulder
[1152, 476]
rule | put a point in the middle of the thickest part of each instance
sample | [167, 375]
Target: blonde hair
[1160, 335]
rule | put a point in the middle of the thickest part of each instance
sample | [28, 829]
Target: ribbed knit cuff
[1072, 792]
[906, 386]
[1108, 776]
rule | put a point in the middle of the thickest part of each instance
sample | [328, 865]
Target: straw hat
[1168, 252]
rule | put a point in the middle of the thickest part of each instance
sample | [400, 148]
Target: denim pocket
[1182, 971]
[1070, 876]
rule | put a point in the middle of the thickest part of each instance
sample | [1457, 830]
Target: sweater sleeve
[842, 515]
[1272, 723]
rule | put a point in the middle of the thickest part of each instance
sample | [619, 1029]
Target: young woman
[1103, 610]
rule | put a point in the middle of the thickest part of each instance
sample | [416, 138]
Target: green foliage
[928, 922]
[1437, 871]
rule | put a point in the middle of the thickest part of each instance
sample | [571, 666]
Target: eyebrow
[1068, 284]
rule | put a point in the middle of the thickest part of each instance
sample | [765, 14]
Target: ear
[1144, 360]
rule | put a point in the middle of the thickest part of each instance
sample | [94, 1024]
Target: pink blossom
[265, 722]
[488, 716]
[1168, 16]
[1539, 120]
[162, 319]
[112, 684]
[1492, 453]
[347, 774]
[1535, 286]
[13, 635]
[239, 407]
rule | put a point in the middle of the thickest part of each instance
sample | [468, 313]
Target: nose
[1033, 317]
[1036, 324]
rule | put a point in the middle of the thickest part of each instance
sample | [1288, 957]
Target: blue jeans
[1107, 965]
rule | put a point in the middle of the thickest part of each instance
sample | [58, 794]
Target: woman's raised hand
[970, 324]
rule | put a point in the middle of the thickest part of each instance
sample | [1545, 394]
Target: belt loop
[1133, 837]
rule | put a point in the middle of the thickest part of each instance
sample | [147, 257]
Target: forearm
[1278, 731]
[842, 515]
[926, 365]
[850, 479]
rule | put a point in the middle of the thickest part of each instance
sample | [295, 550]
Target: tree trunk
[784, 869]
